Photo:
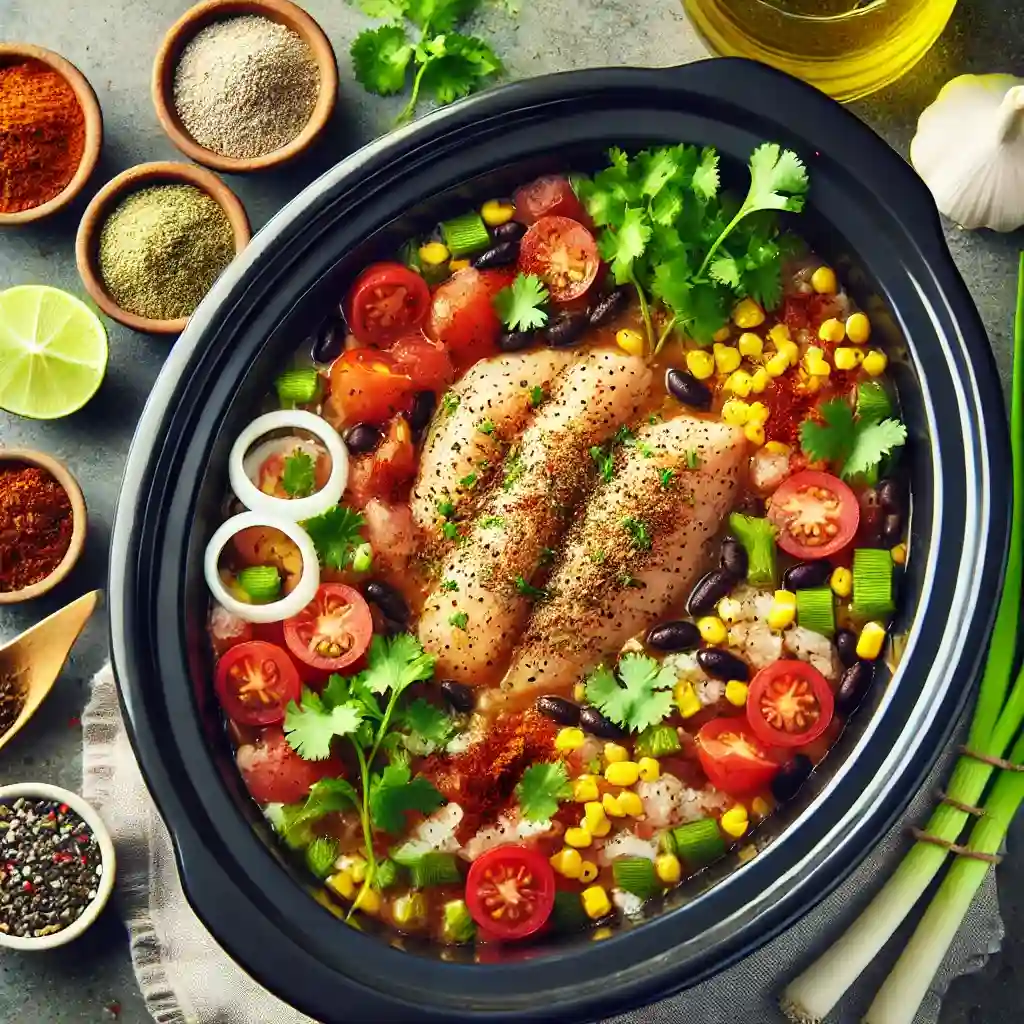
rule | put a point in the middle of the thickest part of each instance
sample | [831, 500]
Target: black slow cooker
[873, 218]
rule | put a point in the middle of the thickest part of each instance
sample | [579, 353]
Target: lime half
[53, 352]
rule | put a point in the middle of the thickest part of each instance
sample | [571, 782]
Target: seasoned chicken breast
[485, 592]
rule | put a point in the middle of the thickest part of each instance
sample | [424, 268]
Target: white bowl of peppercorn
[57, 866]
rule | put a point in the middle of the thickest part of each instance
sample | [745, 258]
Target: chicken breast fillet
[633, 555]
[496, 394]
[482, 601]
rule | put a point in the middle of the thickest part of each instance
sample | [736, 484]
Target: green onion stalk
[996, 721]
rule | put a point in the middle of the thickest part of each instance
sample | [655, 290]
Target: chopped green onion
[434, 869]
[815, 610]
[260, 582]
[466, 234]
[657, 741]
[568, 915]
[298, 387]
[362, 558]
[699, 843]
[321, 855]
[758, 539]
[873, 403]
[872, 583]
[636, 875]
[457, 924]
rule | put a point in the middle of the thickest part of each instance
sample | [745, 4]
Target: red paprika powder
[36, 523]
[42, 135]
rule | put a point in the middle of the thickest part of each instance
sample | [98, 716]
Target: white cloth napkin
[186, 978]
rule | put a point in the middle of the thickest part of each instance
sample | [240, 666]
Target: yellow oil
[844, 47]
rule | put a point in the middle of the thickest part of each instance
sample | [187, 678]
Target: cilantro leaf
[335, 535]
[726, 271]
[298, 478]
[644, 697]
[393, 792]
[831, 441]
[774, 172]
[439, 15]
[329, 795]
[387, 10]
[626, 245]
[380, 58]
[705, 178]
[873, 441]
[604, 461]
[520, 304]
[453, 65]
[427, 722]
[460, 620]
[530, 591]
[393, 665]
[536, 395]
[540, 790]
[310, 726]
[638, 532]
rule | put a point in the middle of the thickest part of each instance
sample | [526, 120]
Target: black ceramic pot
[872, 217]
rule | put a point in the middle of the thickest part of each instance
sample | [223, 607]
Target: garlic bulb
[969, 149]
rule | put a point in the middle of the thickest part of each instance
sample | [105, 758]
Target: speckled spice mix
[12, 700]
[36, 524]
[50, 867]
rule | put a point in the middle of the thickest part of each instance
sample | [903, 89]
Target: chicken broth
[585, 550]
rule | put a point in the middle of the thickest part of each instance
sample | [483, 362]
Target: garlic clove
[969, 149]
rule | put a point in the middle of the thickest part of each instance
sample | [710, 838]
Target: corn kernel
[832, 330]
[790, 349]
[735, 412]
[456, 265]
[739, 383]
[624, 773]
[814, 362]
[368, 901]
[759, 380]
[615, 752]
[712, 629]
[783, 610]
[736, 692]
[630, 341]
[343, 884]
[899, 554]
[588, 871]
[578, 837]
[875, 363]
[760, 807]
[727, 358]
[754, 433]
[594, 817]
[668, 868]
[433, 254]
[747, 314]
[750, 345]
[847, 358]
[579, 692]
[354, 864]
[871, 641]
[778, 448]
[858, 328]
[780, 332]
[650, 770]
[777, 365]
[841, 582]
[611, 806]
[567, 862]
[584, 789]
[824, 282]
[729, 610]
[759, 413]
[735, 821]
[595, 902]
[631, 803]
[700, 364]
[722, 334]
[686, 699]
[809, 384]
[496, 212]
[569, 738]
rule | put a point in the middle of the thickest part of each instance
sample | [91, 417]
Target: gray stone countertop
[113, 42]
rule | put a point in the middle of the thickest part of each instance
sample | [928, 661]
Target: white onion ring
[294, 509]
[289, 605]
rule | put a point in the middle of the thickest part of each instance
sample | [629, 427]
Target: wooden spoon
[38, 655]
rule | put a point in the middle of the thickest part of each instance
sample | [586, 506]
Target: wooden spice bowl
[106, 201]
[12, 53]
[195, 20]
[60, 472]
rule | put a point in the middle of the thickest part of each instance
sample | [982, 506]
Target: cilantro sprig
[854, 445]
[335, 535]
[299, 475]
[541, 789]
[520, 305]
[639, 698]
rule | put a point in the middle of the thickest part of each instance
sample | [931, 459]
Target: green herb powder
[162, 249]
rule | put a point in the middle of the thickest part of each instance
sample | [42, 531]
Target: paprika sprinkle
[36, 524]
[42, 135]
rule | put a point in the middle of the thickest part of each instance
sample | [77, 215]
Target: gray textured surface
[113, 42]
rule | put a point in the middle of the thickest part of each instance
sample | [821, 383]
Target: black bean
[853, 686]
[363, 438]
[566, 330]
[328, 341]
[723, 664]
[516, 341]
[423, 405]
[459, 696]
[390, 627]
[510, 231]
[688, 390]
[790, 777]
[846, 645]
[734, 559]
[892, 495]
[597, 725]
[709, 591]
[559, 709]
[504, 254]
[805, 575]
[608, 307]
[674, 636]
[387, 599]
[892, 529]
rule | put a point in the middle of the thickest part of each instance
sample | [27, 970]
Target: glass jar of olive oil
[847, 48]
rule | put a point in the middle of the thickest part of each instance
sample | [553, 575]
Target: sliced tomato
[790, 704]
[550, 196]
[255, 682]
[387, 301]
[333, 630]
[274, 773]
[563, 254]
[367, 386]
[732, 757]
[510, 891]
[816, 514]
[425, 361]
[462, 317]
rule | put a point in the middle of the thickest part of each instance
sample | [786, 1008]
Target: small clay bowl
[26, 456]
[195, 20]
[13, 53]
[106, 201]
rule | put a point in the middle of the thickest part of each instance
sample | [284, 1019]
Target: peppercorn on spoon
[36, 657]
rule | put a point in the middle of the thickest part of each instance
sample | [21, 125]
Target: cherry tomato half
[332, 631]
[273, 773]
[790, 704]
[510, 891]
[462, 317]
[387, 301]
[732, 756]
[425, 361]
[255, 682]
[563, 254]
[550, 196]
[367, 386]
[816, 514]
